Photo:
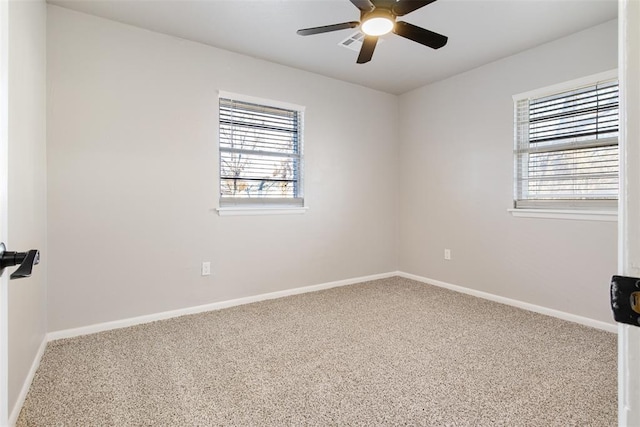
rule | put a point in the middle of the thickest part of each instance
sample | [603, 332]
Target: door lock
[625, 299]
[26, 260]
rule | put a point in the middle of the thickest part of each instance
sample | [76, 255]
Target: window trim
[261, 206]
[253, 210]
[596, 209]
[582, 215]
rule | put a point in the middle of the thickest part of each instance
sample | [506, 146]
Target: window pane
[574, 174]
[580, 115]
[261, 176]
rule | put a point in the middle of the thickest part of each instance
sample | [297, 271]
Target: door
[4, 136]
[629, 207]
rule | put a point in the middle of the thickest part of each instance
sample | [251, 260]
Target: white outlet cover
[206, 268]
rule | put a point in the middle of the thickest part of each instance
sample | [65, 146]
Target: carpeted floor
[387, 352]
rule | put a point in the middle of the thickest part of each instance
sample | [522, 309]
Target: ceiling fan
[377, 18]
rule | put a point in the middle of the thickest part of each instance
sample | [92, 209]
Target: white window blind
[260, 154]
[566, 148]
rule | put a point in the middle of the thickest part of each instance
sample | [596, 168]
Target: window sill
[580, 215]
[260, 210]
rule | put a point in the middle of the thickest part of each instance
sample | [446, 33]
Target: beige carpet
[387, 352]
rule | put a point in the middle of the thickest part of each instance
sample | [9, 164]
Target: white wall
[456, 169]
[133, 186]
[27, 185]
[132, 162]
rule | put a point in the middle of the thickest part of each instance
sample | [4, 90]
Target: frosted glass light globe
[377, 26]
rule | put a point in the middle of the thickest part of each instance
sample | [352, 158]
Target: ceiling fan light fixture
[378, 23]
[377, 18]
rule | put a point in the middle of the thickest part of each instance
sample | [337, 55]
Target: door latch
[625, 299]
[26, 260]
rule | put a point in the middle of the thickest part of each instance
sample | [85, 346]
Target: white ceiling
[479, 31]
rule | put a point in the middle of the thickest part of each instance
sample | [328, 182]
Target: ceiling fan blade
[363, 5]
[420, 35]
[403, 7]
[366, 51]
[327, 28]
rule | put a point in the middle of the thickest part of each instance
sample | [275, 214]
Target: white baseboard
[15, 412]
[609, 327]
[123, 323]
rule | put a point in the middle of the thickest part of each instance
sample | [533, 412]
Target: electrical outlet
[206, 268]
[447, 254]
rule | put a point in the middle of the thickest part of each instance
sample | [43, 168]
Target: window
[260, 153]
[566, 146]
